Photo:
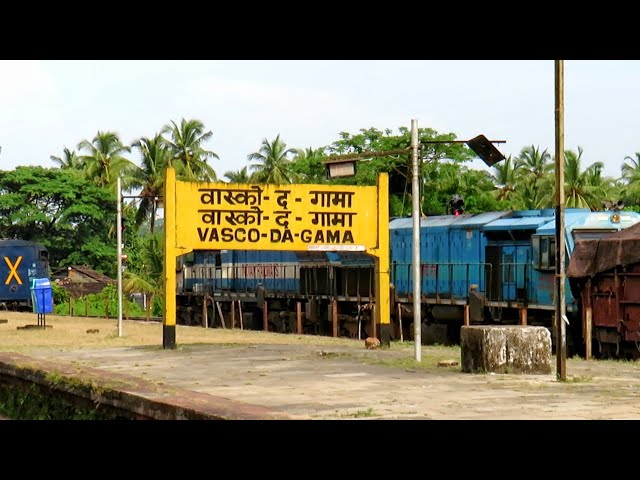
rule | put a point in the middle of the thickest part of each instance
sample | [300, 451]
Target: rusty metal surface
[615, 300]
[593, 256]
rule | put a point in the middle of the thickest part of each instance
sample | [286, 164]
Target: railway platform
[319, 382]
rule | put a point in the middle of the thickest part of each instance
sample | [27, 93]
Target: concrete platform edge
[142, 398]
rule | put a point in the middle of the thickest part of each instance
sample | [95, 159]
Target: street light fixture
[485, 150]
[345, 165]
[340, 166]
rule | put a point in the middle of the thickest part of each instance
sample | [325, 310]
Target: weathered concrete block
[505, 349]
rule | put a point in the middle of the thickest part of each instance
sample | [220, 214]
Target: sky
[46, 106]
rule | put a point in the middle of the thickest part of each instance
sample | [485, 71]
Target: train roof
[480, 219]
[600, 219]
[516, 223]
[350, 258]
[12, 242]
[580, 220]
[587, 220]
[436, 220]
[465, 220]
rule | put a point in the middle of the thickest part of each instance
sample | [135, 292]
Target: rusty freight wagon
[604, 274]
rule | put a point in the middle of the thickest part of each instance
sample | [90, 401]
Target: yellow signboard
[216, 216]
[276, 217]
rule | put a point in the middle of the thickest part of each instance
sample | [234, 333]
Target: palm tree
[273, 163]
[188, 154]
[240, 176]
[69, 160]
[528, 195]
[104, 162]
[582, 188]
[150, 279]
[150, 176]
[506, 178]
[631, 171]
[631, 178]
[536, 163]
[532, 166]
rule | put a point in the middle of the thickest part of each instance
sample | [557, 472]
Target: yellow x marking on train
[13, 270]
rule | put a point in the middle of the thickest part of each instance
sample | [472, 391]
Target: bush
[99, 304]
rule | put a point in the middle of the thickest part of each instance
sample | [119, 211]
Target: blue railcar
[497, 267]
[499, 264]
[279, 278]
[510, 278]
[275, 271]
[451, 255]
[21, 261]
[211, 271]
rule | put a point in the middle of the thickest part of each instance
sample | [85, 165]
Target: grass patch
[401, 355]
[70, 333]
[578, 379]
[411, 364]
[324, 354]
[362, 413]
[430, 360]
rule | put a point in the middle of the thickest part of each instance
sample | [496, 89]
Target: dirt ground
[325, 378]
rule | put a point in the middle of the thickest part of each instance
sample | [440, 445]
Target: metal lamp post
[344, 166]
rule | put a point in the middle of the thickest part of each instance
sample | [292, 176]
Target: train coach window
[544, 252]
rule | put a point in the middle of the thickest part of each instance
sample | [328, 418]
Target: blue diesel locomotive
[21, 261]
[500, 265]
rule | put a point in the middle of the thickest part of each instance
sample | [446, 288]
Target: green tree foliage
[146, 272]
[70, 216]
[506, 180]
[149, 177]
[101, 304]
[240, 176]
[630, 181]
[104, 160]
[188, 155]
[308, 166]
[442, 169]
[582, 188]
[70, 160]
[273, 163]
[532, 167]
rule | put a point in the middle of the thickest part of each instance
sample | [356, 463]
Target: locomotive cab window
[544, 252]
[43, 255]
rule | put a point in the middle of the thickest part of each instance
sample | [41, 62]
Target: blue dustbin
[41, 295]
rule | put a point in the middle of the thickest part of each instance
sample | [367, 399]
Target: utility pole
[119, 239]
[560, 313]
[415, 197]
[344, 165]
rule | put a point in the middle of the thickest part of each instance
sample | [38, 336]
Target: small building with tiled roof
[80, 280]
